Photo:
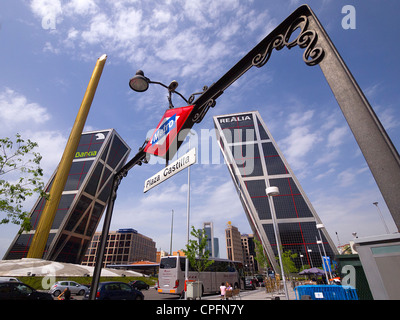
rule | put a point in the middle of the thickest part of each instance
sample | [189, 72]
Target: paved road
[152, 294]
[258, 294]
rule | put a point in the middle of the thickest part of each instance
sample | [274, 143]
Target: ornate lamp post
[274, 191]
[138, 83]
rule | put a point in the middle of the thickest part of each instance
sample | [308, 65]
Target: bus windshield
[168, 263]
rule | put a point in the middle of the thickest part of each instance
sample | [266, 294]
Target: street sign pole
[138, 159]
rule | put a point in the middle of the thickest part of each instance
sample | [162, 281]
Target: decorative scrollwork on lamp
[307, 38]
[203, 110]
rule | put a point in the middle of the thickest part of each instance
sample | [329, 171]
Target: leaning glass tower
[100, 154]
[256, 163]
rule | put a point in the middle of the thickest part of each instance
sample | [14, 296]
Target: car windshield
[23, 289]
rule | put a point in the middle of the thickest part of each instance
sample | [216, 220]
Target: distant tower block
[256, 163]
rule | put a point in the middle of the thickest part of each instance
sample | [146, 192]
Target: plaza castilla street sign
[178, 165]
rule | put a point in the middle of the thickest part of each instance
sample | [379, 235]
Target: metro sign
[167, 130]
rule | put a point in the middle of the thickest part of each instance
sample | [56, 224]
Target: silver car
[73, 286]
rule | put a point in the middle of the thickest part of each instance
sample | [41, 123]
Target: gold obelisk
[46, 219]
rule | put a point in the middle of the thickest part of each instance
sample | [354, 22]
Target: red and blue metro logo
[167, 130]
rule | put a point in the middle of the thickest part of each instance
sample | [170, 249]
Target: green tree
[289, 266]
[261, 258]
[196, 251]
[197, 254]
[20, 177]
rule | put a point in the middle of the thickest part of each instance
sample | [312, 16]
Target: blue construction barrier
[326, 292]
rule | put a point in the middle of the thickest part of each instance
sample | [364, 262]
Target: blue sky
[48, 50]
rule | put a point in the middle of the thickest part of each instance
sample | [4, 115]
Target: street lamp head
[173, 85]
[272, 191]
[139, 82]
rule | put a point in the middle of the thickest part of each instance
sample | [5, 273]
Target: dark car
[249, 283]
[116, 291]
[139, 285]
[21, 291]
[260, 280]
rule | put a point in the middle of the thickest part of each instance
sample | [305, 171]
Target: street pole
[310, 257]
[319, 226]
[272, 191]
[172, 227]
[187, 225]
[136, 160]
[380, 214]
[41, 235]
[322, 260]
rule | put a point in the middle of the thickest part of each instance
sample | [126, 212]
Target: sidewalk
[259, 294]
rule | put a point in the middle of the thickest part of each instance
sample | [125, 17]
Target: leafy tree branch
[20, 178]
[195, 251]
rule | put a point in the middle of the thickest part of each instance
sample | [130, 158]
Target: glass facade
[212, 243]
[100, 154]
[256, 163]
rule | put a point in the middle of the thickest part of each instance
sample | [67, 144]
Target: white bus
[171, 275]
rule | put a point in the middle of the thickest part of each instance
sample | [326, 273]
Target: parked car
[116, 291]
[139, 285]
[249, 283]
[9, 279]
[73, 286]
[13, 290]
[260, 280]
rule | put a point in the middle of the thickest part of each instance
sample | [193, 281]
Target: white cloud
[48, 47]
[81, 7]
[46, 8]
[346, 178]
[372, 91]
[296, 146]
[325, 174]
[51, 147]
[328, 157]
[300, 118]
[101, 28]
[389, 119]
[161, 16]
[18, 114]
[16, 109]
[136, 32]
[336, 137]
[351, 212]
[349, 177]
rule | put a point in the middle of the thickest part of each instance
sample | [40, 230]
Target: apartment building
[124, 246]
[233, 243]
